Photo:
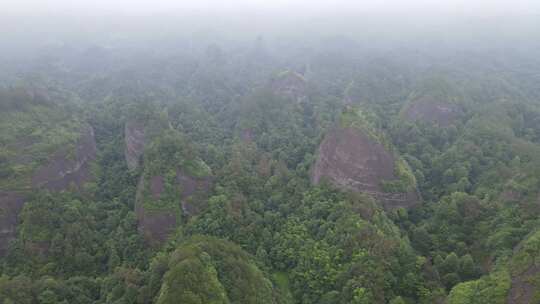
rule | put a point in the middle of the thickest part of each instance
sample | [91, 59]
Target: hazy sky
[149, 7]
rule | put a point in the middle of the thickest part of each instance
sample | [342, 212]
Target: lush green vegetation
[167, 155]
[32, 130]
[265, 234]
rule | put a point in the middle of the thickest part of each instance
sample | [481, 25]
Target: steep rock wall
[349, 159]
[157, 224]
[65, 169]
[440, 113]
[289, 84]
[11, 204]
[523, 288]
[134, 139]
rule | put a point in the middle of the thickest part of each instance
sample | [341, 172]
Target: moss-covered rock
[43, 145]
[210, 270]
[525, 270]
[174, 183]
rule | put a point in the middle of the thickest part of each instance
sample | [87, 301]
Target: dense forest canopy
[354, 159]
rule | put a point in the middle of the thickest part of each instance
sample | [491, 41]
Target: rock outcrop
[157, 222]
[428, 110]
[523, 288]
[193, 192]
[174, 184]
[134, 139]
[289, 84]
[154, 224]
[11, 204]
[349, 159]
[525, 271]
[66, 168]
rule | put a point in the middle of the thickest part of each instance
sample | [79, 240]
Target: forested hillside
[270, 170]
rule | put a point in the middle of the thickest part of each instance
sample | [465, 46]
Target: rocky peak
[353, 159]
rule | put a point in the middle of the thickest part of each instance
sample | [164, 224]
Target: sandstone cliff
[134, 135]
[11, 204]
[352, 159]
[427, 109]
[289, 84]
[174, 185]
[159, 212]
[67, 168]
[525, 270]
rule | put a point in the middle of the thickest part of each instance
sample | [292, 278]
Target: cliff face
[157, 221]
[289, 84]
[134, 138]
[155, 225]
[525, 270]
[193, 192]
[523, 288]
[11, 204]
[174, 184]
[66, 168]
[349, 159]
[427, 110]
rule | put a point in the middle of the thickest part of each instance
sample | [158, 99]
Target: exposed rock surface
[247, 136]
[11, 204]
[437, 112]
[64, 169]
[157, 224]
[193, 192]
[523, 289]
[156, 220]
[134, 139]
[350, 159]
[525, 270]
[289, 84]
[154, 225]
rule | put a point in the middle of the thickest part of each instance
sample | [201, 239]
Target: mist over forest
[284, 152]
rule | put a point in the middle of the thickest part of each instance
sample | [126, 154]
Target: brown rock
[134, 138]
[62, 170]
[11, 204]
[349, 159]
[156, 225]
[193, 192]
[289, 84]
[247, 136]
[523, 290]
[59, 174]
[437, 112]
[156, 186]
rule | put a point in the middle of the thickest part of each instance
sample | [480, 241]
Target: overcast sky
[149, 7]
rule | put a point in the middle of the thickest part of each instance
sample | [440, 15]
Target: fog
[299, 7]
[31, 30]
